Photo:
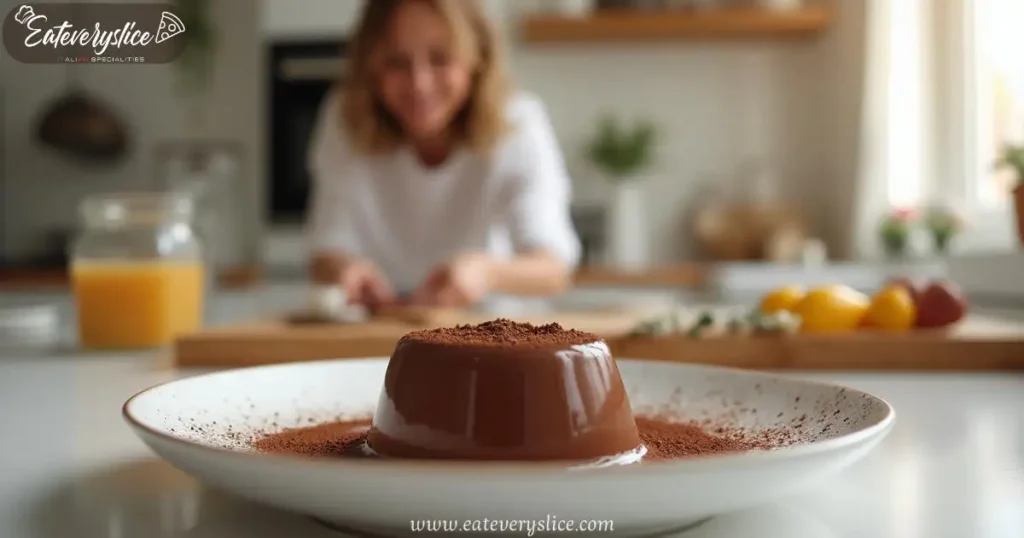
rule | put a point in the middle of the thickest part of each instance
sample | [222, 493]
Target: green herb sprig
[197, 60]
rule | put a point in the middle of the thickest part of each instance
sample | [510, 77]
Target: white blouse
[407, 218]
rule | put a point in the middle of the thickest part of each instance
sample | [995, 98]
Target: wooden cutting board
[278, 341]
[977, 344]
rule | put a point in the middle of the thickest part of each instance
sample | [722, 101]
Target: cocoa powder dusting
[344, 438]
[665, 440]
[503, 332]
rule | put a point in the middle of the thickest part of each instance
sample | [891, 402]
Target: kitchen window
[999, 108]
[955, 96]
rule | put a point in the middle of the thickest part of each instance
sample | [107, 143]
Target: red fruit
[941, 304]
[914, 286]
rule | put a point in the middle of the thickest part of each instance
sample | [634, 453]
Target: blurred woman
[434, 182]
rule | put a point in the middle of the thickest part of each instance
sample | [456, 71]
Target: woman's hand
[364, 283]
[463, 281]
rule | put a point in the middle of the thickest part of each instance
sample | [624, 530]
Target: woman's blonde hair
[481, 122]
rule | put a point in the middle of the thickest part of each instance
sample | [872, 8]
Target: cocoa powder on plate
[664, 439]
[339, 439]
[667, 440]
[503, 332]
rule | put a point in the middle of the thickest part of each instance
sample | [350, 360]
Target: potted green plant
[895, 231]
[619, 152]
[623, 154]
[943, 224]
[1013, 159]
[195, 65]
[201, 167]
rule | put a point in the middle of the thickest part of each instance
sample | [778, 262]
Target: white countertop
[69, 467]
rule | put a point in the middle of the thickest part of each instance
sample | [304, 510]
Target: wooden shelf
[608, 26]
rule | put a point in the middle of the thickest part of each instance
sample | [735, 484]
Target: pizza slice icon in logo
[170, 26]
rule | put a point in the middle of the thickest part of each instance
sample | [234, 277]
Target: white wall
[716, 106]
[40, 191]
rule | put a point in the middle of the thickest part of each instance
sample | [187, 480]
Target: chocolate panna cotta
[504, 391]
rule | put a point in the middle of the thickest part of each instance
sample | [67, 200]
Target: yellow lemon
[832, 309]
[782, 299]
[892, 309]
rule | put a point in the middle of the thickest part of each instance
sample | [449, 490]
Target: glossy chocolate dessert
[504, 391]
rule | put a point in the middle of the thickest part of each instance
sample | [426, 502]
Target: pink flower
[904, 214]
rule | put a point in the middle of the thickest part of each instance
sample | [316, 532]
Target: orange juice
[137, 304]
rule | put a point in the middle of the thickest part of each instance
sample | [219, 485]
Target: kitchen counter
[952, 467]
[723, 277]
[681, 275]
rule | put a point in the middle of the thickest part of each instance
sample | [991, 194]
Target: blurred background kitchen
[794, 140]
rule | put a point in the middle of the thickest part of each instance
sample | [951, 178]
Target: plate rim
[446, 467]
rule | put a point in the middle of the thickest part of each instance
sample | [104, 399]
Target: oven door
[302, 75]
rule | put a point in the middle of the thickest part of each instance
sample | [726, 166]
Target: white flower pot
[627, 234]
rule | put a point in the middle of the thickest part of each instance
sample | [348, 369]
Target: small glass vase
[208, 174]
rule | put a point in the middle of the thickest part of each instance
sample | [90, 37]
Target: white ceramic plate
[186, 422]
